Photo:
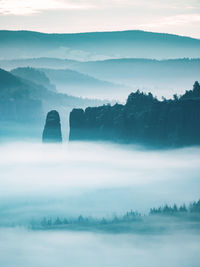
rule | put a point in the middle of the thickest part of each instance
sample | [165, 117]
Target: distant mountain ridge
[69, 82]
[79, 84]
[161, 77]
[97, 45]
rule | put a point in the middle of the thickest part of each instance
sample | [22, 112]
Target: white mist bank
[93, 179]
[19, 247]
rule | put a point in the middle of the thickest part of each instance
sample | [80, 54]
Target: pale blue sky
[172, 16]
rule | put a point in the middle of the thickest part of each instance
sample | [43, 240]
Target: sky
[180, 17]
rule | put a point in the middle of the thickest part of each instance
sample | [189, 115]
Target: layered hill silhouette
[161, 77]
[69, 82]
[24, 103]
[79, 84]
[38, 62]
[14, 89]
[142, 120]
[35, 76]
[97, 45]
[20, 100]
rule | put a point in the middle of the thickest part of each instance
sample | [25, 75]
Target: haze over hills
[39, 62]
[70, 82]
[97, 45]
[35, 76]
[20, 99]
[25, 103]
[162, 77]
[79, 84]
[99, 133]
[14, 88]
[106, 65]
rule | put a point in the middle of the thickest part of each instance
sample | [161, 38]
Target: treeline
[143, 119]
[182, 212]
[81, 220]
[175, 210]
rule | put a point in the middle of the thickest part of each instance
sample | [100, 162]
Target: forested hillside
[34, 75]
[19, 100]
[143, 120]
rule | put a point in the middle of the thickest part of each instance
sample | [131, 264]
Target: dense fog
[93, 179]
[20, 247]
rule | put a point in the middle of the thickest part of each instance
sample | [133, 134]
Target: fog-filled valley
[100, 149]
[98, 180]
[57, 248]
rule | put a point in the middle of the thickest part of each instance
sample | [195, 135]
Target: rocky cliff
[143, 119]
[52, 129]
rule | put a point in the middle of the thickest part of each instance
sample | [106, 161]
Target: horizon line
[100, 31]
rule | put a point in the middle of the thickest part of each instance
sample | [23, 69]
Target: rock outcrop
[52, 129]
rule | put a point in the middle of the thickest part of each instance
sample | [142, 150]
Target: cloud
[93, 179]
[101, 15]
[20, 247]
[110, 166]
[27, 7]
[173, 20]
